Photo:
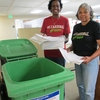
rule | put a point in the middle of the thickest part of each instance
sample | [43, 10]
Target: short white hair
[88, 8]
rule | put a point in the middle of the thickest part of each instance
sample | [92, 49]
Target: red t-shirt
[55, 27]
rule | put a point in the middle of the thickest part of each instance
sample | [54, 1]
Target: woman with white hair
[86, 43]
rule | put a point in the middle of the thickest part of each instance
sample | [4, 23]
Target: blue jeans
[60, 61]
[86, 77]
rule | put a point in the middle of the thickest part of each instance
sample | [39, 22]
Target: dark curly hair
[88, 7]
[50, 3]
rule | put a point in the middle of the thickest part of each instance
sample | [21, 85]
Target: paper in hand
[48, 42]
[71, 57]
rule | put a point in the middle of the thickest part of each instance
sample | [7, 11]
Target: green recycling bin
[12, 50]
[35, 79]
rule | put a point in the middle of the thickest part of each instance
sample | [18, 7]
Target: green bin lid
[16, 47]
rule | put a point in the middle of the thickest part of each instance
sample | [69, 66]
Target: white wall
[34, 23]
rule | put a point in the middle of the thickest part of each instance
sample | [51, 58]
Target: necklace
[55, 21]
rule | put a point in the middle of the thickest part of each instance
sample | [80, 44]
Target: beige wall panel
[28, 33]
[24, 33]
[7, 28]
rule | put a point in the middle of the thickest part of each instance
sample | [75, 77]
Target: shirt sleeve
[67, 27]
[43, 28]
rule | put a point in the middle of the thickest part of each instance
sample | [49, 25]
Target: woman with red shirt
[55, 26]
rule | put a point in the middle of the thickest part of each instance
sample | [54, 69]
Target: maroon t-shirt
[55, 27]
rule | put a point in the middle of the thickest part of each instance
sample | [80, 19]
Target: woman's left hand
[86, 59]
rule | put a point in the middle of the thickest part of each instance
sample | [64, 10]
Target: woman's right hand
[68, 49]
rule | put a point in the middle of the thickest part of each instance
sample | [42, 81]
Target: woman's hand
[86, 59]
[69, 49]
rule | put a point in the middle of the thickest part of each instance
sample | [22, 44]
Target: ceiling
[24, 7]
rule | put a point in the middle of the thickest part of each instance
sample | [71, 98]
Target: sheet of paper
[71, 57]
[40, 38]
[48, 42]
[48, 45]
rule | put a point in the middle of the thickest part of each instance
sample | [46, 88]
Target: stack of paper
[71, 57]
[48, 42]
